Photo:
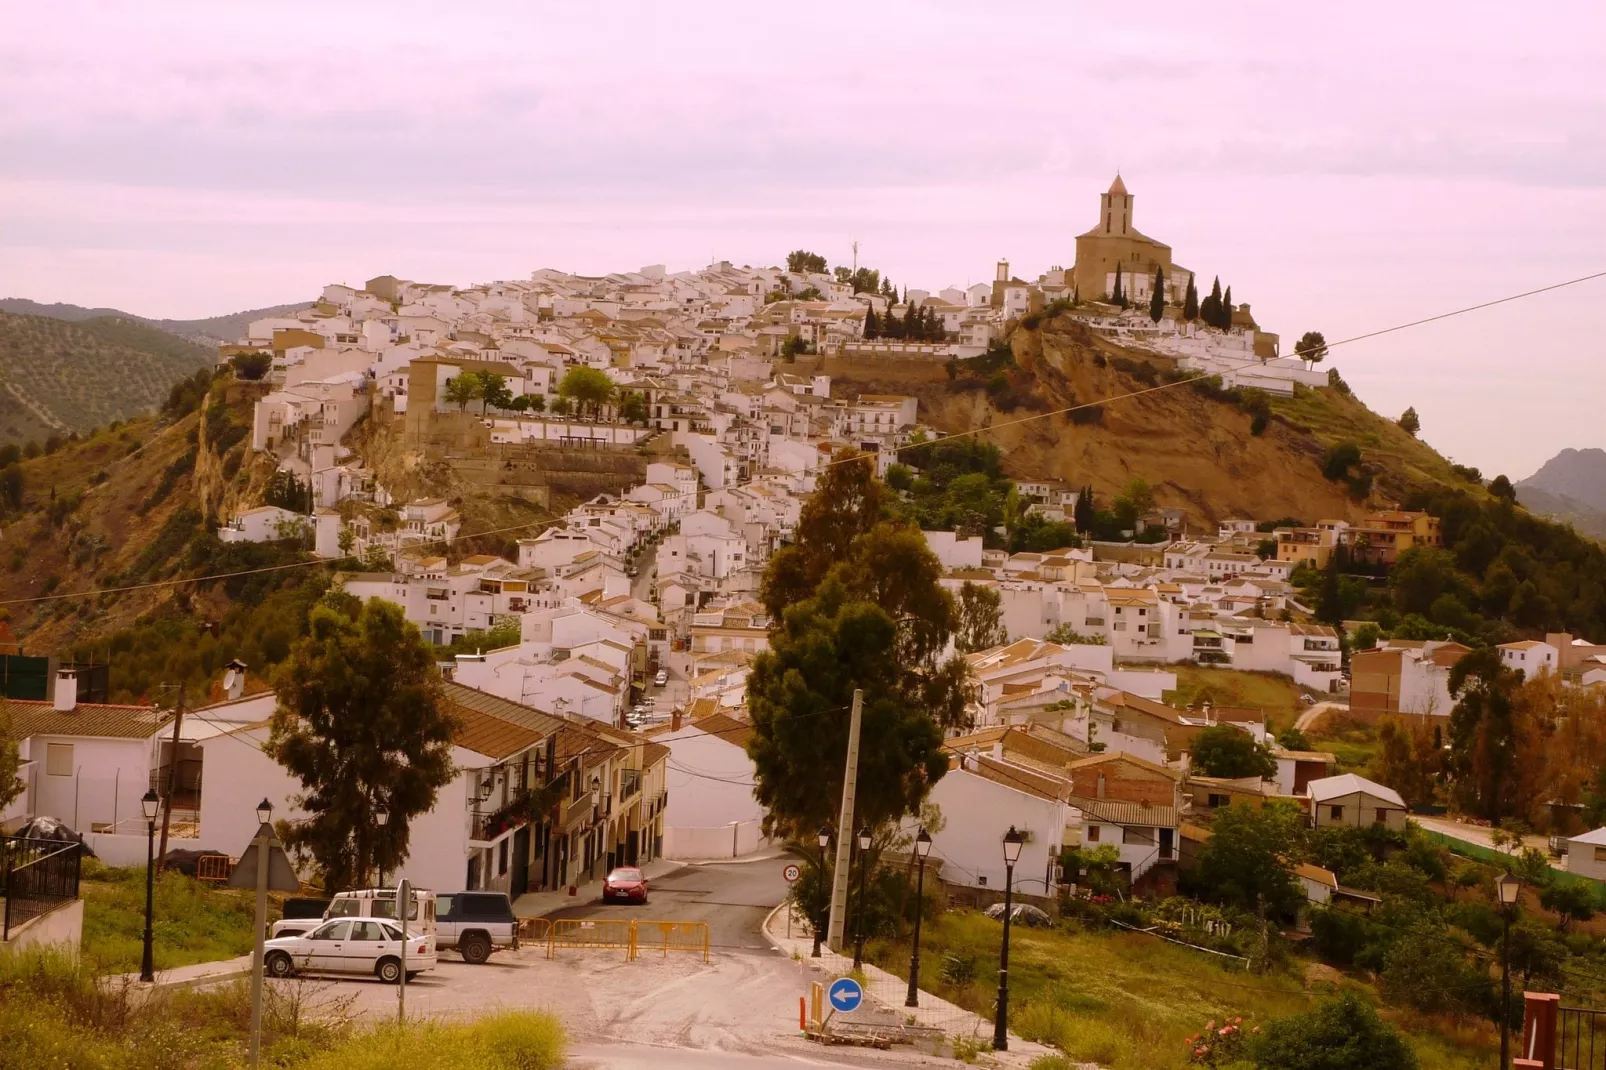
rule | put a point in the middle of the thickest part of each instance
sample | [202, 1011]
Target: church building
[1115, 241]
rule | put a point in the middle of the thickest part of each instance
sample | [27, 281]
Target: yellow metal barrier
[667, 936]
[591, 933]
[534, 930]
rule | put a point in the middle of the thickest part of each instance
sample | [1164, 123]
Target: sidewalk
[202, 973]
[540, 904]
[888, 991]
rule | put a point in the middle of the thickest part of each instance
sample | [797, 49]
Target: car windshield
[625, 875]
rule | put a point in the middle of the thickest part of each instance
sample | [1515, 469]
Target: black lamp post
[149, 804]
[858, 917]
[1013, 841]
[825, 845]
[381, 819]
[922, 849]
[1507, 887]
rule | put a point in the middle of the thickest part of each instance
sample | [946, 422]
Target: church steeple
[1116, 208]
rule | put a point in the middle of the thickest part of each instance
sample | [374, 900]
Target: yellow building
[1113, 242]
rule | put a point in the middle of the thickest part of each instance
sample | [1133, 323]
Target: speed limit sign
[791, 872]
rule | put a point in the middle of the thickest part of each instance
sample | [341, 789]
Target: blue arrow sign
[845, 994]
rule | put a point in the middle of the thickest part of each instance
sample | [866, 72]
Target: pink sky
[1343, 169]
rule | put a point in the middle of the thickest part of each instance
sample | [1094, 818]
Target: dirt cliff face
[1195, 450]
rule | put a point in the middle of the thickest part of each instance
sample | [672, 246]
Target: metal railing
[1580, 1039]
[37, 877]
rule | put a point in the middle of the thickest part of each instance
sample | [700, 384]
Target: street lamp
[264, 812]
[149, 804]
[858, 918]
[922, 849]
[825, 845]
[1013, 841]
[381, 818]
[1506, 888]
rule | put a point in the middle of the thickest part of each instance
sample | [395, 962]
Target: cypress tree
[871, 329]
[1226, 310]
[1190, 303]
[1210, 307]
[1084, 510]
[1117, 296]
[1157, 298]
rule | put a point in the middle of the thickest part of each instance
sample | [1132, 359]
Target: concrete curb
[227, 970]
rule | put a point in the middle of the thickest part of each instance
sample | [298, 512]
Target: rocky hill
[1571, 487]
[209, 331]
[1195, 444]
[63, 377]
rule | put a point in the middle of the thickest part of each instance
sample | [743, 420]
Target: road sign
[845, 995]
[791, 872]
[281, 874]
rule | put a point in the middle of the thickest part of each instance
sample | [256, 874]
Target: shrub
[1339, 1034]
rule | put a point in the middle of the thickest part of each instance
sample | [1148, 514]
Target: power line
[844, 460]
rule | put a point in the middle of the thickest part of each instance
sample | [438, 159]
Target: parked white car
[350, 945]
[662, 678]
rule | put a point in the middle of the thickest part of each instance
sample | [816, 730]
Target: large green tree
[1244, 863]
[361, 725]
[494, 392]
[800, 694]
[1483, 736]
[1311, 347]
[847, 502]
[804, 262]
[464, 388]
[1225, 751]
[11, 782]
[981, 618]
[586, 388]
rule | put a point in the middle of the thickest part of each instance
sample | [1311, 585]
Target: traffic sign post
[792, 872]
[845, 995]
[263, 866]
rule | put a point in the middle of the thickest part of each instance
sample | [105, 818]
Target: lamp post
[149, 804]
[1013, 841]
[858, 917]
[596, 820]
[381, 818]
[1506, 887]
[262, 844]
[922, 849]
[825, 844]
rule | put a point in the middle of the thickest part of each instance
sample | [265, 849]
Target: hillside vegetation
[208, 331]
[74, 377]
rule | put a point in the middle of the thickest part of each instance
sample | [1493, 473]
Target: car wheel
[278, 964]
[388, 970]
[475, 949]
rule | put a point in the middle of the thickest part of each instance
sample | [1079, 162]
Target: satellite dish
[228, 679]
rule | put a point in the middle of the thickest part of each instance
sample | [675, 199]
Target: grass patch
[1274, 693]
[192, 921]
[55, 1013]
[1354, 744]
[1124, 1000]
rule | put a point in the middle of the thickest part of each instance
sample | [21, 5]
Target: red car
[627, 885]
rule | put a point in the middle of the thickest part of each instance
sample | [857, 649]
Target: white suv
[366, 903]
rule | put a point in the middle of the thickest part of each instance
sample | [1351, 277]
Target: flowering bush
[1221, 1043]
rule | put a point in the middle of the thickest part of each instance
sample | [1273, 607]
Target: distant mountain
[1571, 486]
[57, 375]
[207, 332]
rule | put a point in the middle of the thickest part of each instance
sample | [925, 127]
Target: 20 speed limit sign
[792, 872]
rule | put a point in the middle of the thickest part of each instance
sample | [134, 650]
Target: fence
[1580, 1039]
[631, 937]
[38, 876]
[1501, 860]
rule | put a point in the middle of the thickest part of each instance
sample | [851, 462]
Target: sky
[1343, 169]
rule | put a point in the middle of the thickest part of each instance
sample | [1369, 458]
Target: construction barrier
[631, 937]
[534, 930]
[215, 868]
[592, 933]
[667, 936]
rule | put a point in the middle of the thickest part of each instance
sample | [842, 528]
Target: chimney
[1099, 790]
[233, 680]
[66, 690]
[674, 721]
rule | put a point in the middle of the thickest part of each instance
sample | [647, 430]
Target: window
[1215, 802]
[443, 905]
[335, 930]
[1600, 854]
[344, 908]
[1335, 813]
[501, 859]
[1092, 834]
[1136, 835]
[367, 930]
[58, 759]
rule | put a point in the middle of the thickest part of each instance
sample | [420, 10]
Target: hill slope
[79, 376]
[208, 331]
[1571, 487]
[1192, 443]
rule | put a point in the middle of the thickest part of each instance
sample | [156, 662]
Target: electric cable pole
[844, 828]
[172, 780]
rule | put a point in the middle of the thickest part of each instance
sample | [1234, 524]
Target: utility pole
[172, 780]
[855, 255]
[844, 828]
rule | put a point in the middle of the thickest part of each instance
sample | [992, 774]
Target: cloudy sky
[1344, 169]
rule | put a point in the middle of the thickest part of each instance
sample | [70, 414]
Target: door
[446, 925]
[327, 946]
[1167, 845]
[367, 944]
[632, 846]
[520, 882]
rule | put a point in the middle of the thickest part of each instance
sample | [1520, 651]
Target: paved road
[733, 898]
